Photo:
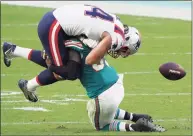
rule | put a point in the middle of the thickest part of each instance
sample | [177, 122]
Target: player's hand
[49, 63]
[46, 58]
[68, 72]
[44, 55]
[58, 77]
[58, 70]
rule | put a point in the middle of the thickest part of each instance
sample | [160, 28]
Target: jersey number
[97, 12]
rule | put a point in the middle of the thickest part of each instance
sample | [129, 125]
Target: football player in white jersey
[99, 25]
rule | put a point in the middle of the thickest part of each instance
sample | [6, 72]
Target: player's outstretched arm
[98, 53]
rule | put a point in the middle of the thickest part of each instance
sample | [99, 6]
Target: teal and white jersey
[95, 78]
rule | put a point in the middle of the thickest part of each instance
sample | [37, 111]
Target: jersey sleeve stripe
[53, 42]
[119, 31]
[74, 45]
[69, 43]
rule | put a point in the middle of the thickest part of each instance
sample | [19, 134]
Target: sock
[115, 126]
[120, 114]
[30, 54]
[131, 127]
[46, 77]
[132, 116]
[32, 84]
[36, 57]
[22, 52]
[123, 115]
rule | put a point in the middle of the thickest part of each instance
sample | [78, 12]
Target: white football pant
[102, 110]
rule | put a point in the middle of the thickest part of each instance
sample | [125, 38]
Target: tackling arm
[98, 53]
[71, 71]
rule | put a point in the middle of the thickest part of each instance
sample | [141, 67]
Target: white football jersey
[91, 21]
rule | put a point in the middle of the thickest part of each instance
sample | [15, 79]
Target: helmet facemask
[123, 52]
[114, 54]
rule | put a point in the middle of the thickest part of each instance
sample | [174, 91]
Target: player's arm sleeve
[71, 71]
[98, 52]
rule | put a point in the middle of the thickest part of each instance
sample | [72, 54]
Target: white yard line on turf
[158, 94]
[19, 25]
[14, 93]
[173, 120]
[167, 37]
[23, 75]
[162, 54]
[9, 93]
[126, 73]
[136, 73]
[27, 109]
[67, 101]
[130, 94]
[36, 123]
[63, 102]
[32, 109]
[18, 39]
[71, 122]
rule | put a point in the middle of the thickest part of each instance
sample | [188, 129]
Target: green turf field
[146, 91]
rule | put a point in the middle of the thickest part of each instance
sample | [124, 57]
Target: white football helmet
[131, 45]
[132, 39]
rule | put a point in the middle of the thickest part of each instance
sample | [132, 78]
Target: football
[172, 71]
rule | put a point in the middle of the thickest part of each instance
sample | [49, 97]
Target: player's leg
[102, 109]
[28, 87]
[52, 38]
[125, 115]
[11, 51]
[101, 113]
[142, 125]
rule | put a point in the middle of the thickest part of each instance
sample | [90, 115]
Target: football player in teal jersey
[105, 88]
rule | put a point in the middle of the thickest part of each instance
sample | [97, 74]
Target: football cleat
[29, 95]
[143, 125]
[138, 116]
[8, 49]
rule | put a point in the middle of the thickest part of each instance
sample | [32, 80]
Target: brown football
[172, 71]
